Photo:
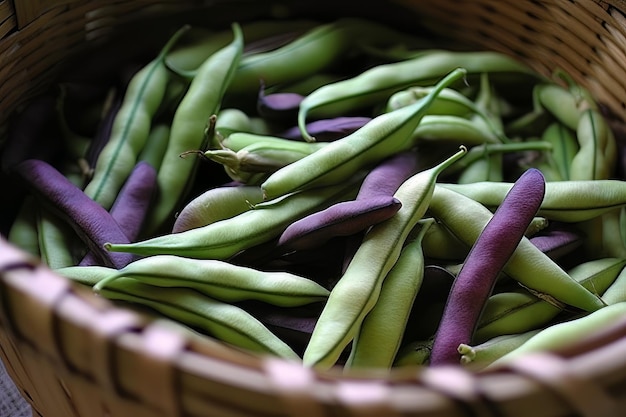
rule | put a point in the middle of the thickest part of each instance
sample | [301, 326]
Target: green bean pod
[201, 101]
[314, 51]
[381, 137]
[616, 292]
[224, 321]
[528, 265]
[378, 83]
[488, 168]
[131, 128]
[597, 155]
[223, 239]
[221, 280]
[378, 340]
[356, 292]
[560, 102]
[563, 334]
[521, 311]
[566, 201]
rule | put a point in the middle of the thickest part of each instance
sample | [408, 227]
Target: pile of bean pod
[335, 193]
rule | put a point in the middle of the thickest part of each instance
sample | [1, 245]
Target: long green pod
[356, 292]
[156, 145]
[566, 201]
[520, 311]
[378, 340]
[223, 239]
[314, 50]
[186, 58]
[380, 138]
[616, 292]
[131, 128]
[201, 101]
[597, 155]
[528, 265]
[378, 83]
[224, 321]
[563, 334]
[221, 280]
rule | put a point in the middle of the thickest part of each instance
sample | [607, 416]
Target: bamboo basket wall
[74, 355]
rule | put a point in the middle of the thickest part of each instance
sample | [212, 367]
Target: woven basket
[75, 355]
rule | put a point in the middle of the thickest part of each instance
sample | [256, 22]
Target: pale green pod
[226, 322]
[221, 280]
[563, 334]
[377, 342]
[23, 231]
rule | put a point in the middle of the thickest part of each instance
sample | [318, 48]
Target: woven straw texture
[74, 355]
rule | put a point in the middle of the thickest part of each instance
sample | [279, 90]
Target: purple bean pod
[93, 224]
[132, 204]
[491, 251]
[341, 219]
[328, 130]
[373, 204]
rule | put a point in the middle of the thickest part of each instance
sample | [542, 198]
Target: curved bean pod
[384, 136]
[376, 84]
[220, 280]
[130, 129]
[224, 321]
[528, 265]
[478, 356]
[223, 239]
[93, 224]
[566, 201]
[201, 101]
[563, 334]
[357, 290]
[378, 339]
[492, 249]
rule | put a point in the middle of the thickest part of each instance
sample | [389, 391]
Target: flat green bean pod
[378, 83]
[466, 218]
[223, 321]
[378, 139]
[221, 280]
[566, 201]
[352, 298]
[225, 238]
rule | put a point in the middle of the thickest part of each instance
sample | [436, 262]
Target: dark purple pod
[341, 219]
[278, 106]
[92, 223]
[328, 130]
[132, 204]
[387, 176]
[491, 251]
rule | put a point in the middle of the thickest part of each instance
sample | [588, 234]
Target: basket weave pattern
[75, 355]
